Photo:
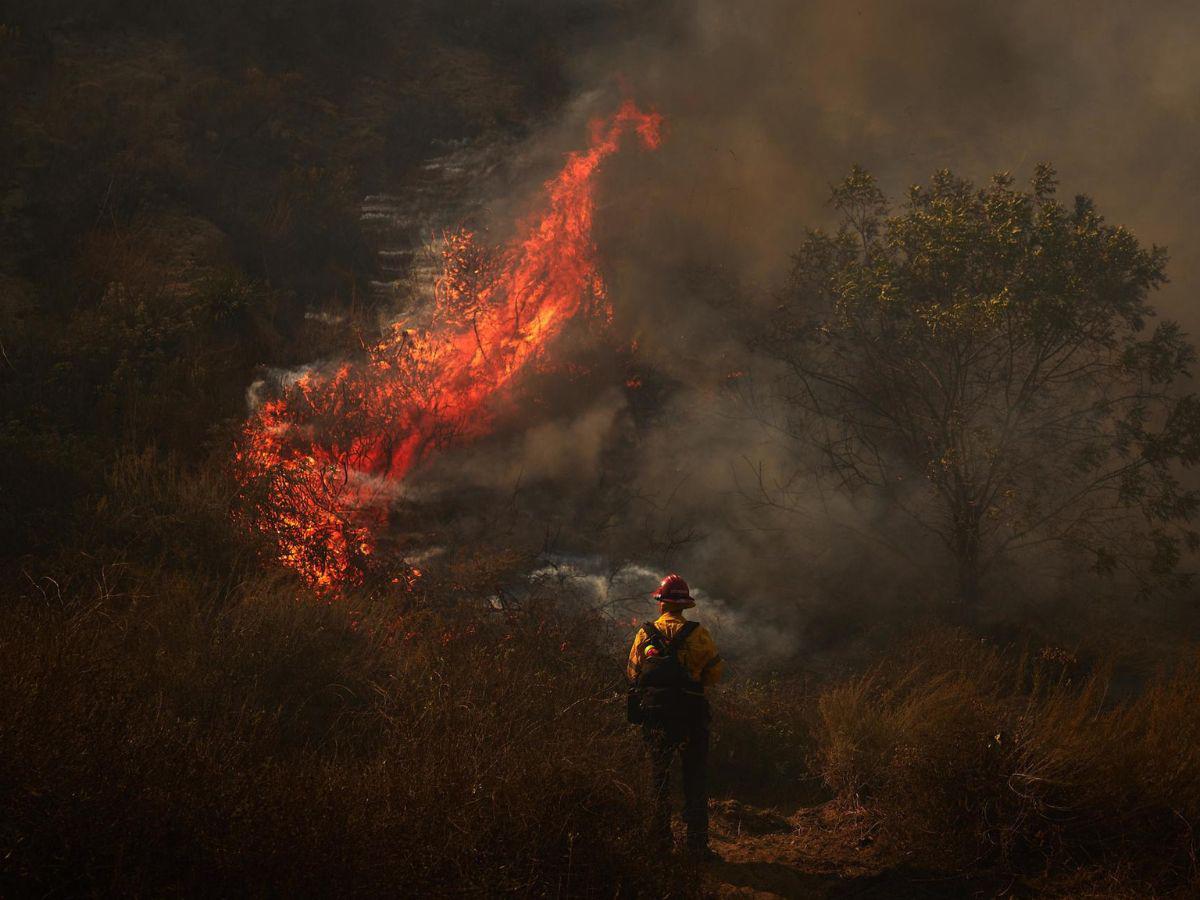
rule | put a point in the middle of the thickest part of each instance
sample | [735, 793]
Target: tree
[980, 360]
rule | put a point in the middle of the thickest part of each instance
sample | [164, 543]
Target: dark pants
[687, 736]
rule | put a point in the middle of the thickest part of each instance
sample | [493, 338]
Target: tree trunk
[969, 575]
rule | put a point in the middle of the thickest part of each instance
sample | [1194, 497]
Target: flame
[323, 460]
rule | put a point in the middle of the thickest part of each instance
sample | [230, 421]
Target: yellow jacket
[698, 655]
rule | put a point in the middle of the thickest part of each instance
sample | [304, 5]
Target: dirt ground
[818, 852]
[824, 852]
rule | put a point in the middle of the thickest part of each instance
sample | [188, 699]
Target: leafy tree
[980, 360]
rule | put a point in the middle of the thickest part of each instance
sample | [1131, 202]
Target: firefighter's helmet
[674, 590]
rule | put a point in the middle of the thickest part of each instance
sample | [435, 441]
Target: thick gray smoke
[767, 104]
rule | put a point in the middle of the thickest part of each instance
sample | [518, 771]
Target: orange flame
[326, 455]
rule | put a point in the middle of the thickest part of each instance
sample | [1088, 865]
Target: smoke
[559, 450]
[621, 593]
[767, 105]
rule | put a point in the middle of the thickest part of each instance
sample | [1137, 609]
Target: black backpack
[663, 685]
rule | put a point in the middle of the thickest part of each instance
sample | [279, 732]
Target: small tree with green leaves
[980, 360]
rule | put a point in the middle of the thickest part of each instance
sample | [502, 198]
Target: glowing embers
[322, 460]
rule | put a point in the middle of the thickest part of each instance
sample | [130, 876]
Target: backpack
[661, 692]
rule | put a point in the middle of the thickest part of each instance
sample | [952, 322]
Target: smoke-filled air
[599, 449]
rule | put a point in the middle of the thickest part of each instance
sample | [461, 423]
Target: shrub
[761, 739]
[970, 756]
[150, 745]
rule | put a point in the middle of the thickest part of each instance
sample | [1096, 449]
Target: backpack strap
[681, 637]
[654, 637]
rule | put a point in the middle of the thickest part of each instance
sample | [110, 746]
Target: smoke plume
[767, 105]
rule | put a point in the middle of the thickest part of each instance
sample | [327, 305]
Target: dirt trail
[818, 853]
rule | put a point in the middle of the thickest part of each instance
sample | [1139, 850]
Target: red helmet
[674, 590]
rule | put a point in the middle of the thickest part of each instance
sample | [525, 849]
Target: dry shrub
[761, 739]
[155, 742]
[971, 756]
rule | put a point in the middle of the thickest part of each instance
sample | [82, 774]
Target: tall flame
[326, 454]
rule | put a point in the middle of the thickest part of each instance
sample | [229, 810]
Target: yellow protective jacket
[698, 655]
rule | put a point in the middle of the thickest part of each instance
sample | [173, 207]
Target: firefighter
[671, 662]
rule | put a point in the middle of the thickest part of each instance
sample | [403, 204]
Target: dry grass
[153, 742]
[173, 721]
[761, 742]
[970, 757]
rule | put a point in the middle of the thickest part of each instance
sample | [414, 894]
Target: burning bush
[329, 453]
